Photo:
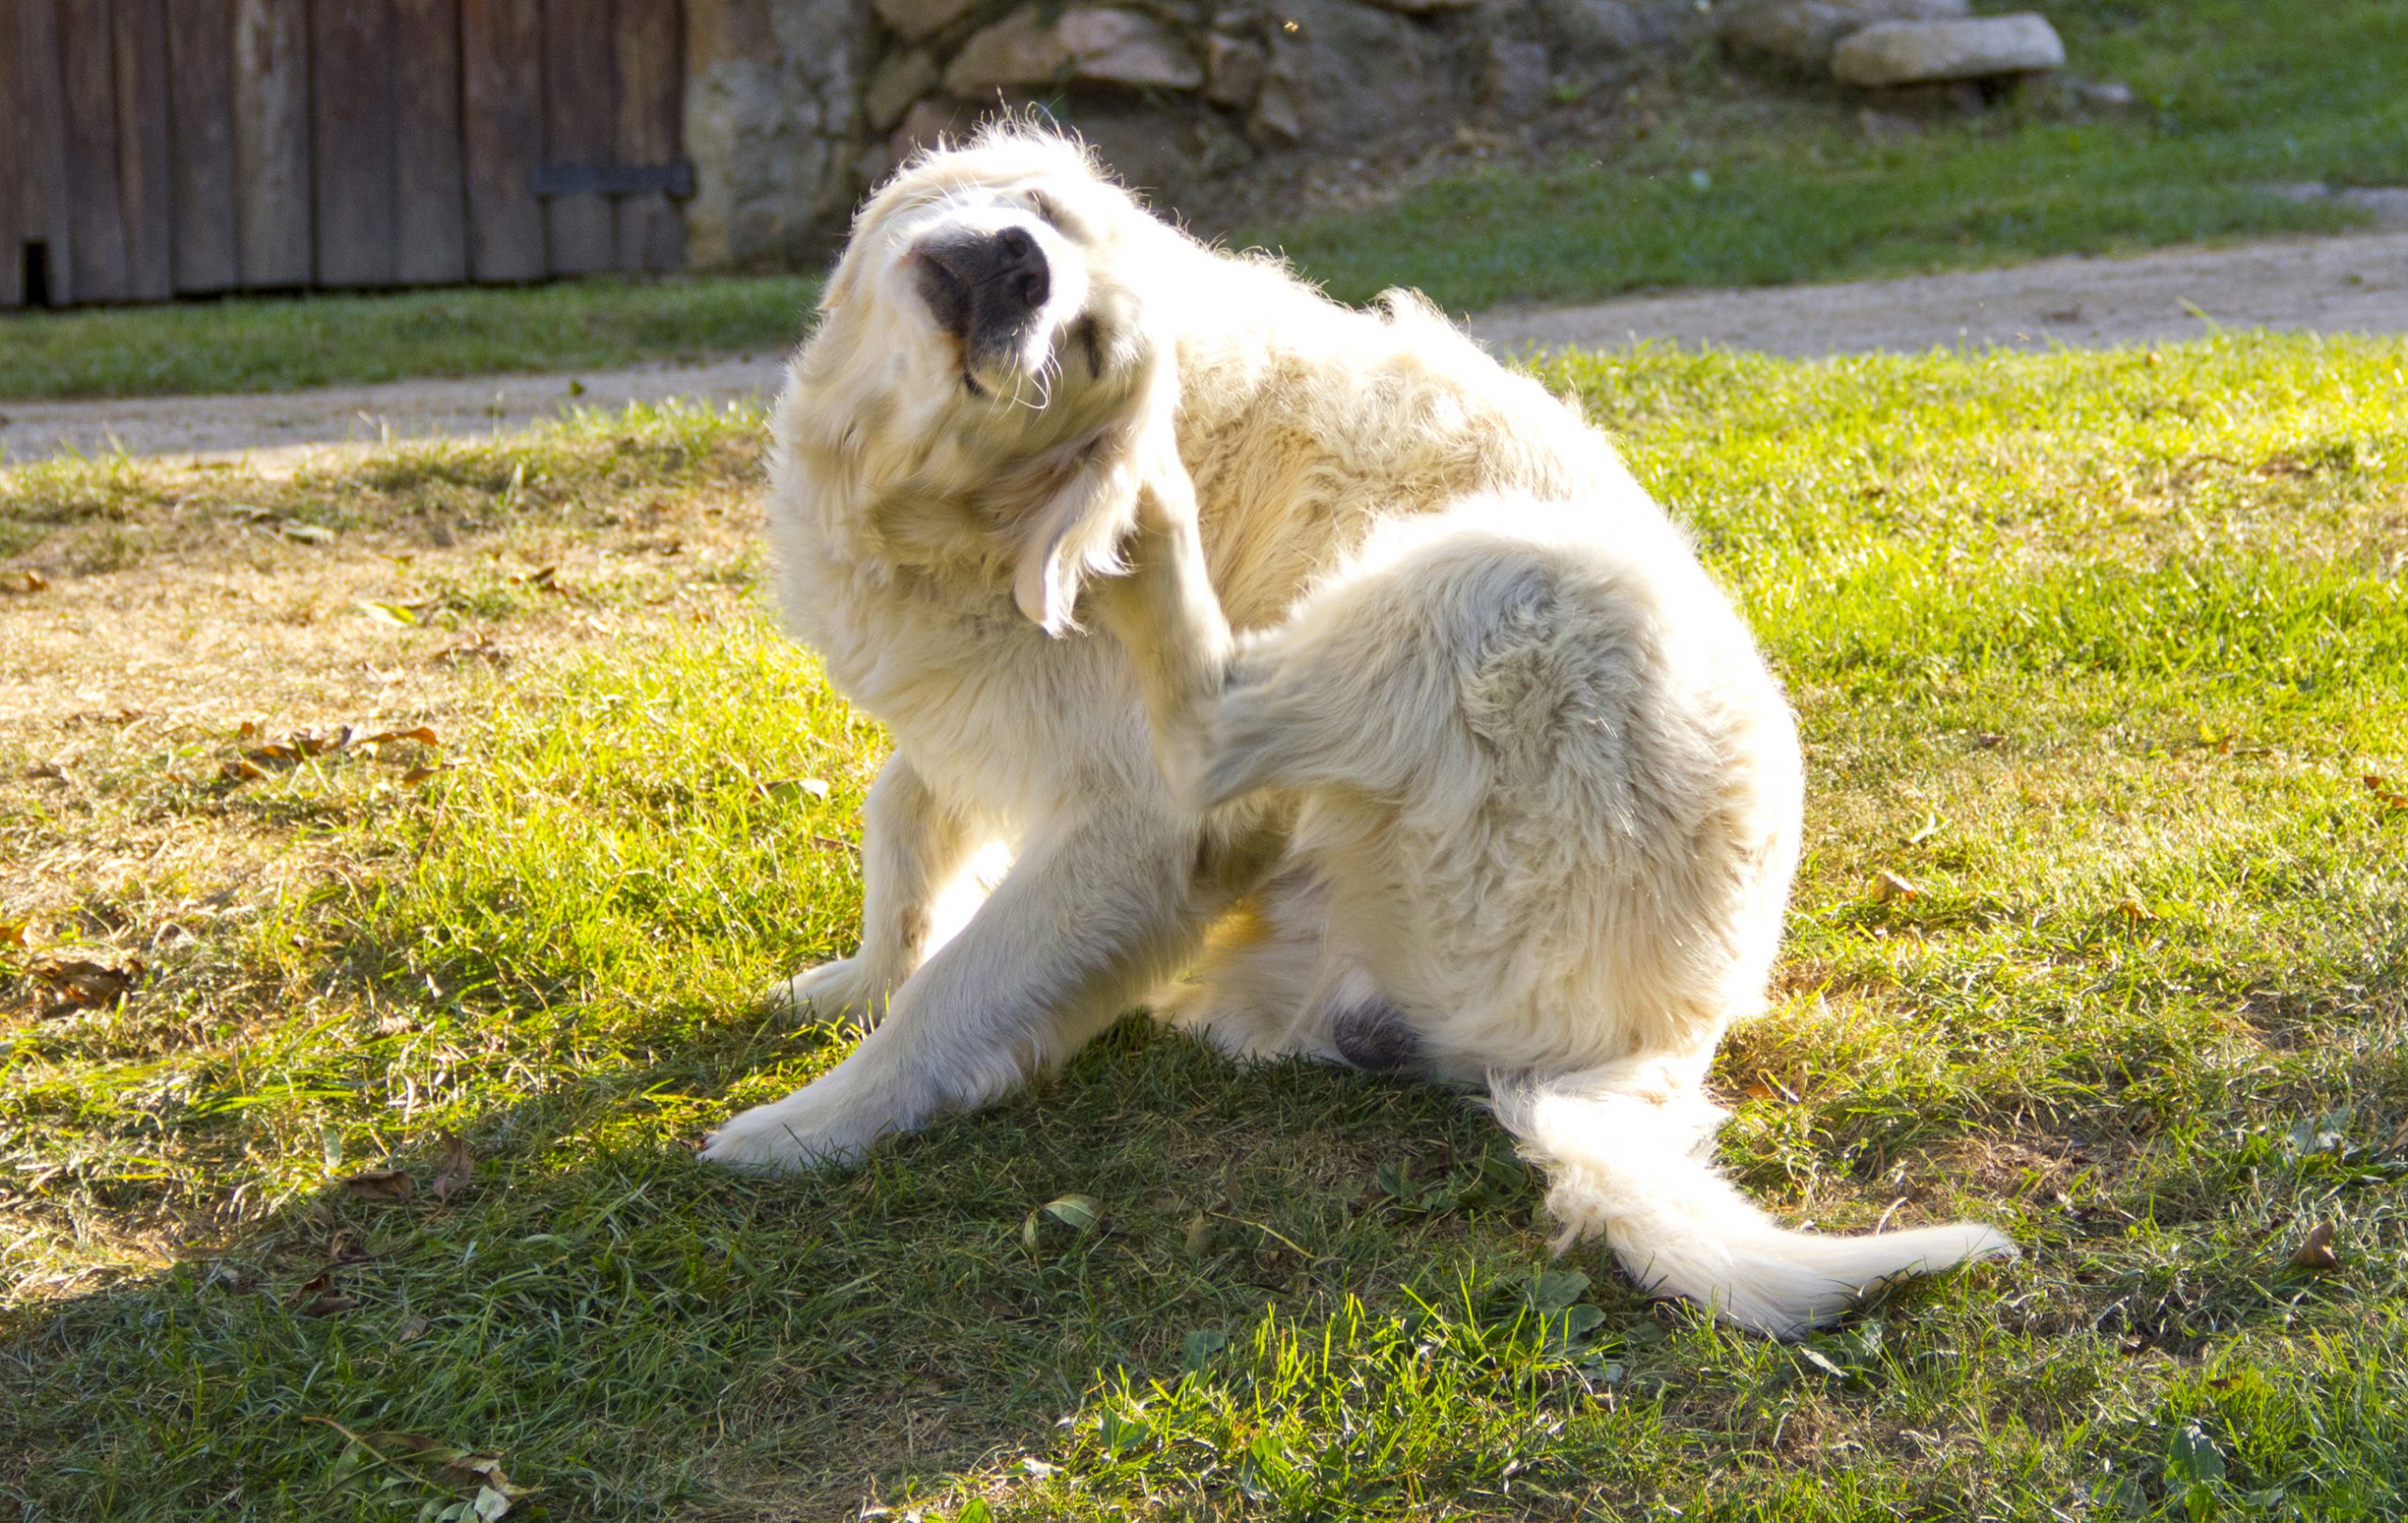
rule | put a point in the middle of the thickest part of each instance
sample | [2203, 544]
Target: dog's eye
[1043, 206]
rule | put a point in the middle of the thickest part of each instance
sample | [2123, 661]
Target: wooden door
[152, 147]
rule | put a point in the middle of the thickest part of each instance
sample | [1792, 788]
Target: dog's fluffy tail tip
[1633, 1170]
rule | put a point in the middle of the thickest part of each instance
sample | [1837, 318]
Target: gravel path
[2356, 283]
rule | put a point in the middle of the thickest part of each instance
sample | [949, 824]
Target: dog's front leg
[1092, 914]
[913, 846]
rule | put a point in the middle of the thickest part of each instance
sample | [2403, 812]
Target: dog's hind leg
[1275, 981]
[1250, 989]
[1164, 613]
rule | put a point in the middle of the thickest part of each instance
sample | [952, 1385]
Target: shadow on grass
[637, 1334]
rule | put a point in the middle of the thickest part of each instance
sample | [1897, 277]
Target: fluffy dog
[1493, 788]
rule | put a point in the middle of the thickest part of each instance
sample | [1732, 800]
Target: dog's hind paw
[832, 993]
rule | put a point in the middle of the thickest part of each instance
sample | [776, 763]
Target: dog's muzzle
[983, 288]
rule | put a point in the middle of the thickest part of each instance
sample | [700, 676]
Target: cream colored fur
[1488, 780]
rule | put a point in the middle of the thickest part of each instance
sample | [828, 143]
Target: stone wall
[794, 107]
[772, 125]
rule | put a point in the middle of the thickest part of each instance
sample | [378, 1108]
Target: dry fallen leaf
[425, 735]
[459, 1169]
[1889, 886]
[493, 1493]
[29, 580]
[243, 769]
[2316, 1251]
[86, 985]
[401, 614]
[390, 1184]
[791, 788]
[413, 1328]
[2134, 910]
[319, 1297]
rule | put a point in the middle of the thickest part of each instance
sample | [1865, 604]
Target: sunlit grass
[2097, 654]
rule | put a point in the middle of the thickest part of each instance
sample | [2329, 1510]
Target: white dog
[1496, 790]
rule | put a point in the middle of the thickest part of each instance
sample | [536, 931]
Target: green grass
[2234, 96]
[2095, 650]
[1734, 186]
[279, 343]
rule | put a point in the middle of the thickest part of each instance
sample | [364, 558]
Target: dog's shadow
[630, 1329]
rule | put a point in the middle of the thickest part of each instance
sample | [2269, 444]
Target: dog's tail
[1636, 1168]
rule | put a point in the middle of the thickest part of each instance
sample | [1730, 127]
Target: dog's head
[998, 334]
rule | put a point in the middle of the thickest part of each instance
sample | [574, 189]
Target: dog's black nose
[982, 284]
[1019, 267]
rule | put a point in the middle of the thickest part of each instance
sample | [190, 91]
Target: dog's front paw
[849, 989]
[812, 1128]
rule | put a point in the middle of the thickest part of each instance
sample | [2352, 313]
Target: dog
[1337, 693]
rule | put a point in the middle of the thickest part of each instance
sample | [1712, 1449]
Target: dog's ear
[1077, 532]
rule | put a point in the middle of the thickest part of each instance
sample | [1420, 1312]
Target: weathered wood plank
[580, 120]
[138, 32]
[351, 124]
[430, 205]
[652, 235]
[15, 195]
[271, 231]
[42, 139]
[502, 114]
[200, 141]
[95, 214]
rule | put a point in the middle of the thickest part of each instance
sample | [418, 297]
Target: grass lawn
[376, 1184]
[279, 343]
[1729, 185]
[2235, 95]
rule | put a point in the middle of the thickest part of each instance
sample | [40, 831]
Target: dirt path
[289, 420]
[2357, 283]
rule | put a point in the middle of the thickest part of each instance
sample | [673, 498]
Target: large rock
[771, 90]
[917, 19]
[1279, 101]
[1341, 73]
[1594, 28]
[1928, 53]
[1513, 74]
[902, 79]
[1804, 32]
[1233, 66]
[932, 120]
[1086, 42]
